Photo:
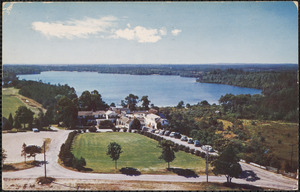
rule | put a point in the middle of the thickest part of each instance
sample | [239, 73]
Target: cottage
[151, 120]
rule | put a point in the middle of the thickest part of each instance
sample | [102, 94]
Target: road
[251, 175]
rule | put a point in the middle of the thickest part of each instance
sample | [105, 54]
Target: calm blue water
[161, 90]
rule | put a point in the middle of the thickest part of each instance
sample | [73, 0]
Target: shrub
[187, 149]
[181, 147]
[197, 153]
[92, 129]
[192, 151]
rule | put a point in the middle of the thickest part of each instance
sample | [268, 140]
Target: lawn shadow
[183, 172]
[249, 175]
[130, 171]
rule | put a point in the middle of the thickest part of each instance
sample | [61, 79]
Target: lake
[161, 90]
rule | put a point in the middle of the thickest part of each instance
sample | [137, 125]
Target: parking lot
[185, 143]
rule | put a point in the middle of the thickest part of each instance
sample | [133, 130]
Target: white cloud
[163, 31]
[175, 32]
[74, 28]
[139, 33]
[105, 27]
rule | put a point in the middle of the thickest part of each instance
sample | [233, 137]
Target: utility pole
[45, 158]
[206, 165]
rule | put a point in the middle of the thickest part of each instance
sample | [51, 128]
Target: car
[183, 138]
[157, 131]
[197, 143]
[190, 141]
[152, 131]
[35, 130]
[172, 134]
[177, 135]
[207, 147]
[167, 133]
[161, 132]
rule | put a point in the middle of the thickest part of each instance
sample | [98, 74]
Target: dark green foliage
[106, 124]
[227, 164]
[45, 94]
[67, 112]
[24, 115]
[131, 101]
[65, 153]
[180, 105]
[92, 129]
[91, 101]
[136, 124]
[10, 120]
[168, 150]
[32, 150]
[114, 151]
[145, 103]
[78, 163]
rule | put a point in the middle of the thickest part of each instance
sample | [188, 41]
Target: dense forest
[182, 70]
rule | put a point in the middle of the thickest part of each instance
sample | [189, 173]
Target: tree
[10, 120]
[23, 152]
[228, 164]
[85, 101]
[67, 112]
[4, 156]
[168, 150]
[131, 101]
[24, 115]
[180, 105]
[78, 163]
[145, 103]
[32, 150]
[17, 123]
[114, 150]
[204, 103]
[96, 101]
[136, 124]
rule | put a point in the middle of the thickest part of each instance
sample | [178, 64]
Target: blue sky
[150, 33]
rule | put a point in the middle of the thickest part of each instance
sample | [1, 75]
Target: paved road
[251, 175]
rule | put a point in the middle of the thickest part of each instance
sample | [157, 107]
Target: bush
[192, 151]
[44, 180]
[92, 129]
[181, 147]
[187, 149]
[197, 153]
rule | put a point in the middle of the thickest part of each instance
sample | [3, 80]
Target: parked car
[190, 141]
[172, 134]
[207, 147]
[157, 131]
[152, 131]
[177, 135]
[167, 133]
[184, 138]
[161, 132]
[197, 143]
[35, 130]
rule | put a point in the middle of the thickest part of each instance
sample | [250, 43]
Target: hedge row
[66, 155]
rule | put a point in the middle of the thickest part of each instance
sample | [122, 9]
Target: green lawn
[10, 102]
[138, 152]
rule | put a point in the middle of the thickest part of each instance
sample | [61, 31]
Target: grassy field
[11, 100]
[278, 137]
[139, 152]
